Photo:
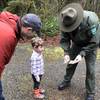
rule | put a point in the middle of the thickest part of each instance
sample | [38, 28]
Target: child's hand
[37, 78]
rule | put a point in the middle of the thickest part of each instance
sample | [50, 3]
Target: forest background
[17, 77]
[48, 10]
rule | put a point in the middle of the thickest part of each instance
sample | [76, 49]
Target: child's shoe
[37, 94]
[42, 91]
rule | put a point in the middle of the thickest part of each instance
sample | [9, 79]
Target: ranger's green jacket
[86, 36]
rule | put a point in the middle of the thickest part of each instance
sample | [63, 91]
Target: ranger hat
[70, 17]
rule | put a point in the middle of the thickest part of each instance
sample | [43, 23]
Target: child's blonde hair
[36, 41]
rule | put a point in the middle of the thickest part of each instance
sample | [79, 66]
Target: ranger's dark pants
[90, 60]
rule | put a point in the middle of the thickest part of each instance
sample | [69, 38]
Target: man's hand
[37, 78]
[66, 59]
[76, 60]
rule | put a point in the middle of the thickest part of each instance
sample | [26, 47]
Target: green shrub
[16, 7]
[50, 26]
[1, 8]
[20, 7]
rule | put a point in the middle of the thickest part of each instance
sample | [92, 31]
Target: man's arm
[93, 30]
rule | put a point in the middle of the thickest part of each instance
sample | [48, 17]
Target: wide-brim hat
[69, 11]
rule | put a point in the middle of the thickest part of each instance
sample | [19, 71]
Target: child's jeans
[36, 83]
[1, 96]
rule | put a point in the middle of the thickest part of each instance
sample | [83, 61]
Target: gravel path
[17, 82]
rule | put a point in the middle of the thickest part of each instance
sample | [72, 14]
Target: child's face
[39, 49]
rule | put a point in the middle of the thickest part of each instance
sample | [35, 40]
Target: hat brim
[79, 19]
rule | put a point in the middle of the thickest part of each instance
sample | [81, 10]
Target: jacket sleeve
[93, 30]
[88, 48]
[93, 43]
[65, 42]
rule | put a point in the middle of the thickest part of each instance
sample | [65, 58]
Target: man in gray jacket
[79, 38]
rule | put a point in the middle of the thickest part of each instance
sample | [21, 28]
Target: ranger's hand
[66, 59]
[76, 60]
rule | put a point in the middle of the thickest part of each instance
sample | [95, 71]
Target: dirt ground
[17, 81]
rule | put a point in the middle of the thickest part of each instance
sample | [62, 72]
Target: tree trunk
[3, 3]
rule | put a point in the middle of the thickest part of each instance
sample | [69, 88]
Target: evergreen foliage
[46, 9]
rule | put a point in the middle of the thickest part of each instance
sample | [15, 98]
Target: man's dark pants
[1, 96]
[90, 59]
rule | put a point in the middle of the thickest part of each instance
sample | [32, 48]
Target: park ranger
[79, 38]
